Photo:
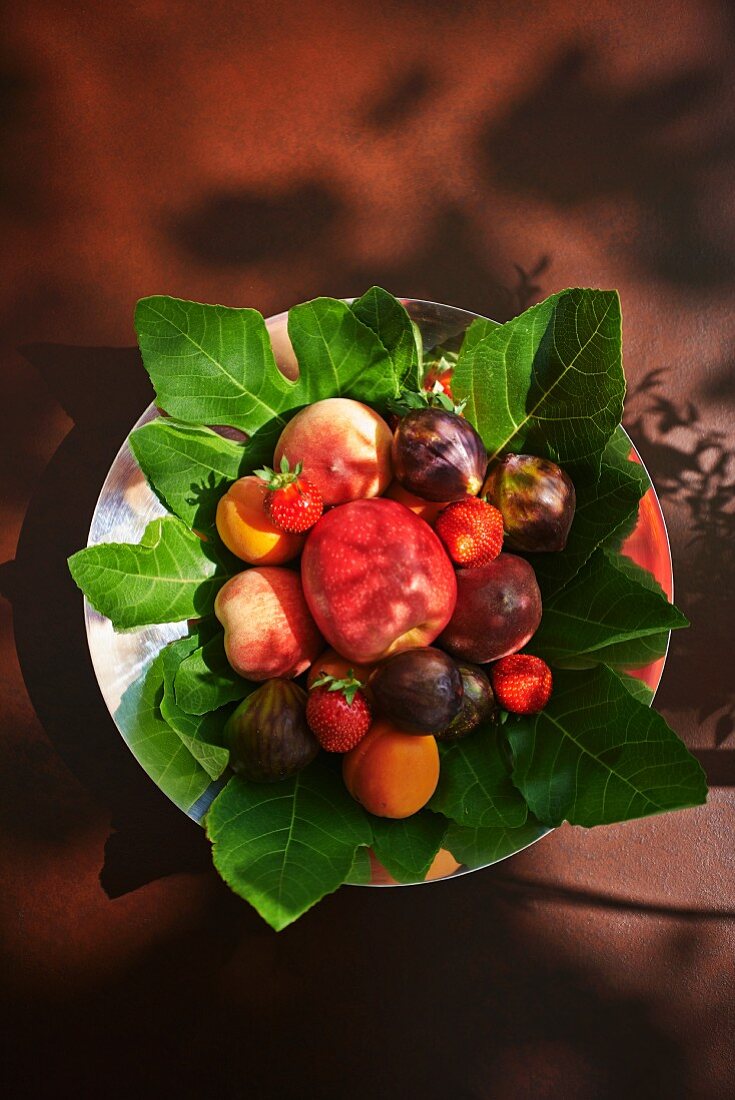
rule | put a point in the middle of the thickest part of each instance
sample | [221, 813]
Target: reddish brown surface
[479, 154]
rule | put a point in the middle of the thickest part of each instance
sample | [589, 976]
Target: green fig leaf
[283, 846]
[200, 733]
[638, 688]
[631, 654]
[389, 320]
[603, 606]
[170, 575]
[476, 848]
[155, 744]
[361, 872]
[339, 356]
[604, 509]
[206, 680]
[475, 787]
[549, 383]
[214, 365]
[597, 755]
[190, 467]
[407, 847]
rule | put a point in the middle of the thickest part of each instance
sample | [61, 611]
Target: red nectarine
[377, 580]
[498, 610]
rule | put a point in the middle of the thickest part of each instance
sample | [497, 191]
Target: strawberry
[472, 531]
[522, 683]
[293, 503]
[337, 712]
[439, 381]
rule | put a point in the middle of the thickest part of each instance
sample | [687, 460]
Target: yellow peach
[345, 448]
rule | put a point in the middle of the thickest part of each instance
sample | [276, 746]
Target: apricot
[336, 665]
[391, 773]
[443, 865]
[426, 509]
[246, 530]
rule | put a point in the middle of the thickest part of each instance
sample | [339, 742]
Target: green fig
[536, 498]
[478, 704]
[267, 735]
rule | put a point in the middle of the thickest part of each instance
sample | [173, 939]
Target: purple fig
[478, 704]
[537, 500]
[419, 690]
[438, 455]
[267, 735]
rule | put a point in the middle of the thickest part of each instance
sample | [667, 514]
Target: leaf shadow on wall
[299, 238]
[574, 141]
[693, 469]
[236, 228]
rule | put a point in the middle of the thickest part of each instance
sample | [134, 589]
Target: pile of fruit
[356, 503]
[409, 636]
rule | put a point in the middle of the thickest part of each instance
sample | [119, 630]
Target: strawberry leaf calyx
[286, 476]
[436, 397]
[349, 685]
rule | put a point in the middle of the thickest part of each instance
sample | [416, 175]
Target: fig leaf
[597, 755]
[215, 365]
[548, 383]
[283, 846]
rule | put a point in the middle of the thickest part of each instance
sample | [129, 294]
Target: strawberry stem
[287, 476]
[349, 685]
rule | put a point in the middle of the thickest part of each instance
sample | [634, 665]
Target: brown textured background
[483, 154]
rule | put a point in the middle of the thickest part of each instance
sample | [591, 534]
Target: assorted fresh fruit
[380, 587]
[410, 575]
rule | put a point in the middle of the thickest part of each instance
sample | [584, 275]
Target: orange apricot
[246, 530]
[336, 665]
[391, 773]
[443, 865]
[426, 509]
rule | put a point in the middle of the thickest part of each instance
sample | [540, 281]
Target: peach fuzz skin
[338, 666]
[391, 773]
[345, 448]
[269, 631]
[377, 580]
[426, 509]
[244, 527]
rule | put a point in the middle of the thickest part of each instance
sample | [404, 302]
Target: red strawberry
[439, 381]
[522, 683]
[472, 531]
[294, 503]
[337, 712]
